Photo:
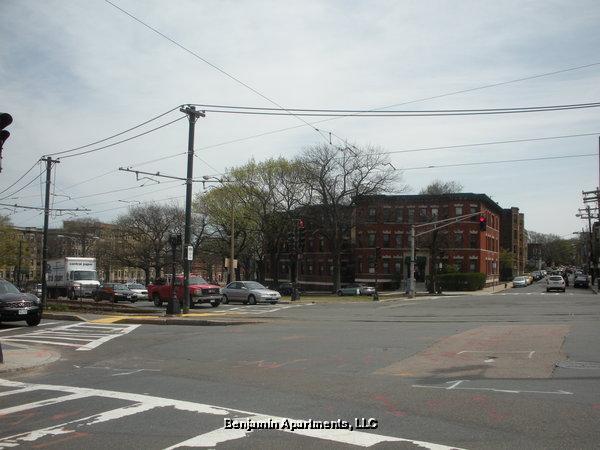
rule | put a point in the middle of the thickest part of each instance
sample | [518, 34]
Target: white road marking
[505, 391]
[491, 352]
[143, 403]
[89, 335]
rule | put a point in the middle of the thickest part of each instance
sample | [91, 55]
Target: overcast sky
[73, 72]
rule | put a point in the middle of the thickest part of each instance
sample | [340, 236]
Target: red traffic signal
[482, 223]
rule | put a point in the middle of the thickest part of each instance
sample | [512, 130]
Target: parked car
[555, 282]
[201, 291]
[520, 282]
[115, 292]
[285, 288]
[16, 305]
[249, 292]
[140, 290]
[581, 280]
[356, 289]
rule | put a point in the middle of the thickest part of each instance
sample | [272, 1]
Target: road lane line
[40, 403]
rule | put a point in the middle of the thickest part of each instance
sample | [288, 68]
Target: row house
[514, 239]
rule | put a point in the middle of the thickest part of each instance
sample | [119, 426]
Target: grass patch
[57, 307]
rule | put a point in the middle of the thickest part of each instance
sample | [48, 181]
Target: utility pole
[193, 116]
[411, 289]
[231, 268]
[49, 162]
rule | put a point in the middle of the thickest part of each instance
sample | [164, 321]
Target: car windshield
[120, 287]
[136, 286]
[254, 285]
[555, 278]
[84, 275]
[197, 280]
[8, 288]
[519, 279]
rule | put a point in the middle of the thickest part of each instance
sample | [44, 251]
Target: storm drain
[578, 365]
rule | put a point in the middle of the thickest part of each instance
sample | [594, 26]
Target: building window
[458, 210]
[386, 266]
[399, 240]
[444, 212]
[434, 213]
[309, 267]
[411, 215]
[310, 245]
[371, 240]
[386, 240]
[473, 265]
[458, 264]
[422, 214]
[371, 264]
[473, 240]
[458, 240]
[399, 215]
[321, 244]
[398, 266]
[359, 265]
[372, 217]
[386, 214]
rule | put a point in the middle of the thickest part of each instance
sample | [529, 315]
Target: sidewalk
[21, 357]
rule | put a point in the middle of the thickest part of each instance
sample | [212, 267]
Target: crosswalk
[259, 309]
[79, 336]
[536, 293]
[41, 422]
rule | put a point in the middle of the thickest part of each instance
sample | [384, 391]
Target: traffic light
[482, 223]
[290, 242]
[5, 120]
[301, 236]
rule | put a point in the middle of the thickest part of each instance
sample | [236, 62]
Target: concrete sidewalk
[22, 357]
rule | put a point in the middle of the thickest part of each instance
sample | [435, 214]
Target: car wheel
[215, 303]
[340, 293]
[224, 300]
[34, 321]
[157, 301]
[273, 303]
[71, 295]
[133, 300]
[113, 299]
[252, 300]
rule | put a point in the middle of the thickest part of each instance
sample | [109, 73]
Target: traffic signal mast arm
[446, 222]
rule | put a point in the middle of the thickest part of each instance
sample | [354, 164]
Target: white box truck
[71, 277]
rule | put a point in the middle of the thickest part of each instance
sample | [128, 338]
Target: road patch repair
[511, 351]
[22, 357]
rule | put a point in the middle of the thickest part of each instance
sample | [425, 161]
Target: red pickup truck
[201, 291]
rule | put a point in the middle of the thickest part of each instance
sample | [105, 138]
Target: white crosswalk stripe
[80, 336]
[141, 403]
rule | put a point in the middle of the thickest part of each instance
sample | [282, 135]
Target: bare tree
[334, 178]
[441, 187]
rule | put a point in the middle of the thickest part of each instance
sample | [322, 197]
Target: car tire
[215, 303]
[156, 300]
[113, 299]
[34, 321]
[224, 300]
[71, 294]
[273, 303]
[252, 299]
[133, 300]
[340, 293]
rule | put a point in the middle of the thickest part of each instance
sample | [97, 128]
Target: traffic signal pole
[413, 235]
[49, 162]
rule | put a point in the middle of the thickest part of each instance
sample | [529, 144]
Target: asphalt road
[464, 372]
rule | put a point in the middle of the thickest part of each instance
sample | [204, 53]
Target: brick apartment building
[513, 238]
[384, 222]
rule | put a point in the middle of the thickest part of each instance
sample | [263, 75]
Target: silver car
[555, 282]
[139, 289]
[520, 282]
[249, 292]
[356, 289]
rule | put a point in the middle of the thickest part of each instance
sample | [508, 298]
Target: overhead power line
[117, 134]
[20, 178]
[499, 162]
[23, 187]
[393, 113]
[123, 140]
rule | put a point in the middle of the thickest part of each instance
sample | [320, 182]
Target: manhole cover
[578, 365]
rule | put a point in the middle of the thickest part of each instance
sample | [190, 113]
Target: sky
[76, 72]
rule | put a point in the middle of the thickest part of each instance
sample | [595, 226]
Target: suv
[581, 280]
[555, 282]
[115, 292]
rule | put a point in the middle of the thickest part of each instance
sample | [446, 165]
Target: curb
[190, 322]
[62, 316]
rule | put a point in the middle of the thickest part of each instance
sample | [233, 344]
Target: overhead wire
[20, 178]
[117, 134]
[542, 158]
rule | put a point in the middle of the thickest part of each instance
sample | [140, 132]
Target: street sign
[190, 253]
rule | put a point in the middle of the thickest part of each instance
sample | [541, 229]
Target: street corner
[17, 357]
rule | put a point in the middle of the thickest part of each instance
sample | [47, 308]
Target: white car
[139, 289]
[555, 282]
[520, 282]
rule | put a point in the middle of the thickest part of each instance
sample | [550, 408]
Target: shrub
[471, 281]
